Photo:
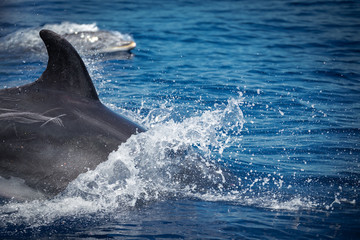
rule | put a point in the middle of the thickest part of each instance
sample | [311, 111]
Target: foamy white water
[170, 160]
[86, 38]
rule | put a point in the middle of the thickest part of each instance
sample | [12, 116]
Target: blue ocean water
[253, 111]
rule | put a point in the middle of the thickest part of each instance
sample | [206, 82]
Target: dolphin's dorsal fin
[65, 70]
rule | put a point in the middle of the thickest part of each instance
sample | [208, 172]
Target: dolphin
[55, 128]
[100, 42]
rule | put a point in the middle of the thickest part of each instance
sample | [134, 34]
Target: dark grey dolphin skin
[56, 128]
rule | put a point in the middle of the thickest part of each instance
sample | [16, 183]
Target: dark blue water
[260, 98]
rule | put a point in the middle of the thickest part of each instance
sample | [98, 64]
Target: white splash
[171, 160]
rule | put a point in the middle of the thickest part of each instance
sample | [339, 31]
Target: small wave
[172, 160]
[86, 38]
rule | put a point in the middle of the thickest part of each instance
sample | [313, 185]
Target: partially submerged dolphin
[55, 128]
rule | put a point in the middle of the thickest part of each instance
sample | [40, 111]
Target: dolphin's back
[56, 128]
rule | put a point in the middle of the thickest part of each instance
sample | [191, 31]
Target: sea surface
[252, 110]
